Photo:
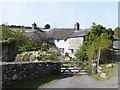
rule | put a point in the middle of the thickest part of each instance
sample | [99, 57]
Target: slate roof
[79, 33]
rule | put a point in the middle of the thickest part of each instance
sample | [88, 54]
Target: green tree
[47, 26]
[90, 36]
[81, 54]
[28, 45]
[23, 42]
[101, 43]
[117, 32]
[5, 32]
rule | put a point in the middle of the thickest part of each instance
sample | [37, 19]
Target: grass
[70, 63]
[108, 71]
[67, 64]
[22, 28]
[31, 84]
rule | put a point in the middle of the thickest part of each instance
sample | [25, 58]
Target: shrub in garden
[101, 41]
[117, 32]
[23, 42]
[44, 47]
[52, 56]
[37, 56]
[5, 32]
[87, 50]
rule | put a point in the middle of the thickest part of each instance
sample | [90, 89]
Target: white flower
[103, 75]
[33, 51]
[31, 57]
[44, 53]
[109, 65]
[24, 53]
[36, 60]
[21, 57]
[99, 67]
[37, 53]
[98, 71]
[48, 54]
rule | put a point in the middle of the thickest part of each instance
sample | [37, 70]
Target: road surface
[84, 81]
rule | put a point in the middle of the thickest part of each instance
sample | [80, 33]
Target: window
[61, 50]
[72, 51]
[57, 40]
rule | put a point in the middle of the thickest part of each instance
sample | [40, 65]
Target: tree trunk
[98, 60]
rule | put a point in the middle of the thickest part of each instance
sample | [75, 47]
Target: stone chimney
[34, 25]
[77, 26]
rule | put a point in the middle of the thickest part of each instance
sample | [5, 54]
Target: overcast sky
[60, 14]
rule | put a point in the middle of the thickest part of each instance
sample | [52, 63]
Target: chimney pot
[77, 26]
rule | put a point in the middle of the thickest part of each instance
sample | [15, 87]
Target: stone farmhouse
[67, 40]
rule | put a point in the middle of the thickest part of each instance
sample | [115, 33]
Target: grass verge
[108, 71]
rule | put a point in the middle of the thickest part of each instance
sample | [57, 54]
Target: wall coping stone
[5, 63]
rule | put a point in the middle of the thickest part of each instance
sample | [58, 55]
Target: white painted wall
[62, 44]
[71, 43]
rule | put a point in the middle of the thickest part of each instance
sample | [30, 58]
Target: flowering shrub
[37, 56]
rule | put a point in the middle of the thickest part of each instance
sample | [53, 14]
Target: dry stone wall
[27, 70]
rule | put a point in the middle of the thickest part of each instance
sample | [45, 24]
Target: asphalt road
[84, 81]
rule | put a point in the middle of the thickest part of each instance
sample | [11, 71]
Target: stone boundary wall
[8, 50]
[14, 71]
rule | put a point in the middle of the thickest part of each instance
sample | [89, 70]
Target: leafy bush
[47, 26]
[117, 32]
[5, 32]
[23, 42]
[81, 54]
[37, 56]
[44, 47]
[53, 56]
[87, 49]
[101, 41]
